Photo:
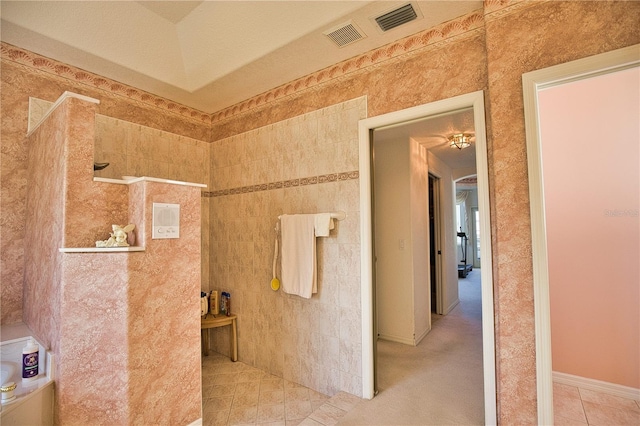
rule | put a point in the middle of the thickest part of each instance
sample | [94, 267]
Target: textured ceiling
[207, 55]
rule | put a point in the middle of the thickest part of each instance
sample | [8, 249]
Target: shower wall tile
[37, 109]
[284, 334]
[136, 150]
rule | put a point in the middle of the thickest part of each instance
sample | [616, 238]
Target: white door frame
[592, 66]
[475, 100]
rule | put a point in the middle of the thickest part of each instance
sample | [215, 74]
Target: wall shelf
[99, 249]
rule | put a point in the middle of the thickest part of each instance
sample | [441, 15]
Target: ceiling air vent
[345, 34]
[396, 17]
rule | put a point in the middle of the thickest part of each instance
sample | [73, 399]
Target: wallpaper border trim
[312, 180]
[463, 26]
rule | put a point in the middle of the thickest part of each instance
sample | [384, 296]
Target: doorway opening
[533, 83]
[475, 102]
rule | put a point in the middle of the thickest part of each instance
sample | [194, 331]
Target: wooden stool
[209, 321]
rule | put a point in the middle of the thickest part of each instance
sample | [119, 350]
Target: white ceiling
[432, 133]
[211, 54]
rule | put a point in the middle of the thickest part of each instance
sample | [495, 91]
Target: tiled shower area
[307, 164]
[235, 393]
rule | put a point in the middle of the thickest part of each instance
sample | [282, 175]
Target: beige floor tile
[217, 404]
[271, 397]
[218, 390]
[317, 396]
[289, 384]
[328, 415]
[215, 418]
[250, 376]
[604, 415]
[248, 399]
[565, 391]
[297, 409]
[223, 379]
[248, 387]
[563, 421]
[309, 422]
[296, 394]
[270, 384]
[317, 404]
[344, 401]
[243, 415]
[270, 413]
[609, 400]
[569, 408]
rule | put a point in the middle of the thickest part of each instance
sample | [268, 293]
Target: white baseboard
[421, 336]
[450, 307]
[396, 339]
[597, 385]
[197, 422]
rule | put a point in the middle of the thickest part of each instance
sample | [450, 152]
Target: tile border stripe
[311, 180]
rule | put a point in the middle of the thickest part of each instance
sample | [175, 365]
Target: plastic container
[225, 303]
[30, 361]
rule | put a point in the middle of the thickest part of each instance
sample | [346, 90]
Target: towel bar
[339, 215]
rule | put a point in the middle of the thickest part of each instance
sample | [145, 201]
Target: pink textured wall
[590, 149]
[533, 36]
[24, 74]
[98, 312]
[65, 208]
[163, 320]
[496, 46]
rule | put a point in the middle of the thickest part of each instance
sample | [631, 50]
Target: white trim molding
[597, 385]
[474, 100]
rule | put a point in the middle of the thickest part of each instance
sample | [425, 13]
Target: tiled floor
[234, 393]
[577, 406]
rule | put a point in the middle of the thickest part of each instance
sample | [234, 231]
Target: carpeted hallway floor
[439, 381]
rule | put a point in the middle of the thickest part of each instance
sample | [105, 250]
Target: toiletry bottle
[228, 304]
[223, 303]
[30, 360]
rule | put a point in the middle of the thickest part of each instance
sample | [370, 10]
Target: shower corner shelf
[100, 249]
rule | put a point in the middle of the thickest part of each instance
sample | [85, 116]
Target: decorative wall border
[496, 9]
[432, 37]
[77, 75]
[411, 44]
[312, 180]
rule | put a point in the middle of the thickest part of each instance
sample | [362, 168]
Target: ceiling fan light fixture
[460, 140]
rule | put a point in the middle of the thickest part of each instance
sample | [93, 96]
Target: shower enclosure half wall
[123, 323]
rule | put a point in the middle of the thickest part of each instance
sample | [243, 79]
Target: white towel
[323, 224]
[299, 269]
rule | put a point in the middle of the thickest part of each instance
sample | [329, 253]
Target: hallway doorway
[425, 384]
[475, 103]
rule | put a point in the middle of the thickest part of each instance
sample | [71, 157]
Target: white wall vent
[345, 34]
[397, 17]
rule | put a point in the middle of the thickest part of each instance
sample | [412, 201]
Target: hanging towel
[323, 224]
[299, 269]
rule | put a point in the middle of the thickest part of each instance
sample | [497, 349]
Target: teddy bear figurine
[118, 237]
